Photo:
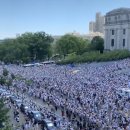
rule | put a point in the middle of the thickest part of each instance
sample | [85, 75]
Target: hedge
[95, 57]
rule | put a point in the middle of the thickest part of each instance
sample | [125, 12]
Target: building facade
[91, 27]
[98, 25]
[117, 29]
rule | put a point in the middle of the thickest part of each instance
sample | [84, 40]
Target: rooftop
[119, 11]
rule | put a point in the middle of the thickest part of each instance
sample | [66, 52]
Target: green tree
[25, 48]
[97, 43]
[11, 51]
[69, 44]
[39, 44]
[83, 46]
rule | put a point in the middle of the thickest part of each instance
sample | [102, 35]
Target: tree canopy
[97, 43]
[39, 46]
[69, 44]
[27, 47]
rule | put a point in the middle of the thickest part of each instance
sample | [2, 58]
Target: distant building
[56, 38]
[98, 25]
[89, 36]
[75, 33]
[117, 29]
[91, 27]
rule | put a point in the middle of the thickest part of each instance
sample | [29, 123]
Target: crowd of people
[18, 121]
[86, 94]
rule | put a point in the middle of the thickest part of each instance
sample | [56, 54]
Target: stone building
[117, 29]
[91, 27]
[98, 25]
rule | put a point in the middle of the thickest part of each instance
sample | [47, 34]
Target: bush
[95, 56]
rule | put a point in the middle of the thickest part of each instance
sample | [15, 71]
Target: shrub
[95, 56]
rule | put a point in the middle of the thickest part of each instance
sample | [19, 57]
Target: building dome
[119, 11]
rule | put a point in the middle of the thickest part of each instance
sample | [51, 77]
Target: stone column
[105, 40]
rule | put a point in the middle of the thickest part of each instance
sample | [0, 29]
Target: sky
[55, 17]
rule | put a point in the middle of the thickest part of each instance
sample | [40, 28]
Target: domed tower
[117, 29]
